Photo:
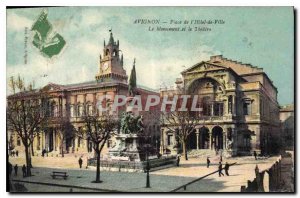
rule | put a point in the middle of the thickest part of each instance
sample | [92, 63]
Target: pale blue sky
[262, 36]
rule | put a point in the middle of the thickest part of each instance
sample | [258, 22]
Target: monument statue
[131, 124]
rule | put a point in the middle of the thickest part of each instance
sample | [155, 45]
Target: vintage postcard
[150, 99]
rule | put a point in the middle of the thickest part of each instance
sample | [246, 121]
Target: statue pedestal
[126, 147]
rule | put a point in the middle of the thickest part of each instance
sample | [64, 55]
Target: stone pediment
[52, 87]
[203, 67]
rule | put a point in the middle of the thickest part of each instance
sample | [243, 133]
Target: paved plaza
[164, 180]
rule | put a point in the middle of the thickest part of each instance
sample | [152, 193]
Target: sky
[261, 36]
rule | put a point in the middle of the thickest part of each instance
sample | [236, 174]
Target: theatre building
[239, 109]
[73, 100]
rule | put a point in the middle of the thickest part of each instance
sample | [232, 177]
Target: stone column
[233, 105]
[197, 136]
[84, 104]
[210, 140]
[54, 139]
[224, 140]
[212, 109]
[75, 106]
[235, 139]
[60, 109]
[64, 107]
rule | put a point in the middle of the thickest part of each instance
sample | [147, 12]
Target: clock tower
[111, 63]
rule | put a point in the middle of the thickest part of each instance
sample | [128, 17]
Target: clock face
[105, 66]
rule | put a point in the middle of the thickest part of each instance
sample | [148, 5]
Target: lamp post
[147, 170]
[147, 167]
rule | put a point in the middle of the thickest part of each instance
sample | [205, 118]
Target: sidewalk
[164, 180]
[112, 181]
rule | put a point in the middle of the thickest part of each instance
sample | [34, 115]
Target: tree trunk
[98, 167]
[28, 165]
[62, 147]
[32, 151]
[184, 150]
[62, 150]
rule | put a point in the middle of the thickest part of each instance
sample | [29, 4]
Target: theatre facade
[239, 109]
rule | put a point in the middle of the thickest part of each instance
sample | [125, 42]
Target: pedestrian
[17, 153]
[226, 168]
[220, 169]
[255, 155]
[207, 162]
[24, 170]
[80, 162]
[16, 169]
[178, 160]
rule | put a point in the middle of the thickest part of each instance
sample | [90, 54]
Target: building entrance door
[217, 138]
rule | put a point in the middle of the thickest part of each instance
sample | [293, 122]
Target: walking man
[16, 169]
[24, 170]
[80, 162]
[207, 162]
[220, 169]
[226, 168]
[178, 160]
[255, 155]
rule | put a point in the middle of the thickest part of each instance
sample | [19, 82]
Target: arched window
[107, 52]
[115, 53]
[52, 109]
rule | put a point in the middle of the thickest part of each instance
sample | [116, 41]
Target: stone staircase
[201, 153]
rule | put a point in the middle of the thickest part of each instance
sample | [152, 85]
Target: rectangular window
[218, 109]
[247, 107]
[169, 141]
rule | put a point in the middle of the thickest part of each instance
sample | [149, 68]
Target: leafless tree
[26, 113]
[182, 124]
[98, 129]
[66, 131]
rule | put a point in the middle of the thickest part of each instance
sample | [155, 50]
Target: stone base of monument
[126, 156]
[131, 166]
[126, 148]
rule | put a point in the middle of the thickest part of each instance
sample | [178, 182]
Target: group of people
[14, 153]
[15, 168]
[220, 167]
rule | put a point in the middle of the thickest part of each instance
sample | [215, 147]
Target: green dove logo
[48, 42]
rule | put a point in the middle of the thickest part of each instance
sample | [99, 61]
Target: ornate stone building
[287, 120]
[73, 100]
[240, 112]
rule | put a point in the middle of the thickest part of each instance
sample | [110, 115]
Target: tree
[98, 129]
[66, 131]
[182, 124]
[26, 114]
